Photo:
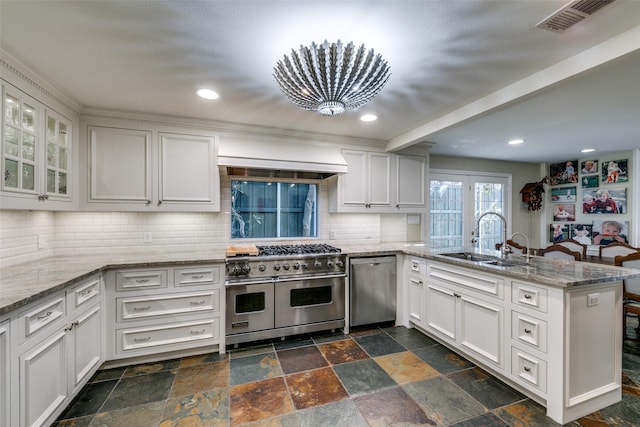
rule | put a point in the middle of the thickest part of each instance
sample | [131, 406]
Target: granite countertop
[24, 283]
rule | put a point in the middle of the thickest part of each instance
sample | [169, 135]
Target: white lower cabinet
[5, 372]
[59, 347]
[456, 312]
[561, 346]
[164, 309]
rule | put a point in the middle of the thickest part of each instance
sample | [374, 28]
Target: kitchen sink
[485, 259]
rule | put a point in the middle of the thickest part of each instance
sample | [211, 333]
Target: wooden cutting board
[242, 250]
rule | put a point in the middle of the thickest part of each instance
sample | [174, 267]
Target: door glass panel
[489, 197]
[62, 161]
[311, 296]
[445, 214]
[28, 181]
[28, 147]
[51, 128]
[251, 302]
[10, 173]
[62, 183]
[10, 141]
[51, 154]
[51, 181]
[12, 110]
[28, 118]
[62, 135]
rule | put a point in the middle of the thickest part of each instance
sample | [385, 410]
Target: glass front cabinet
[36, 153]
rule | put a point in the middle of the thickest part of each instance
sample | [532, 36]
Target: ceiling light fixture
[207, 94]
[516, 141]
[331, 78]
[587, 150]
[369, 118]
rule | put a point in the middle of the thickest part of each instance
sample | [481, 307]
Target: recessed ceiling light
[587, 150]
[369, 117]
[516, 141]
[207, 94]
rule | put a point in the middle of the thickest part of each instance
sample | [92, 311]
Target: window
[456, 202]
[264, 209]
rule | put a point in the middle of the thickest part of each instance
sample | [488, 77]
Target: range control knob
[236, 269]
[296, 266]
[276, 267]
[340, 263]
[304, 265]
[317, 264]
[286, 266]
[246, 269]
[329, 263]
[262, 267]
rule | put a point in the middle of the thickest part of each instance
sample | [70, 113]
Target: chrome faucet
[503, 248]
[527, 253]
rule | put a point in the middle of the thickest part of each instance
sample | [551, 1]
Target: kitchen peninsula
[539, 327]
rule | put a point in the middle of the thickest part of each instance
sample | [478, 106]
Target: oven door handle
[297, 279]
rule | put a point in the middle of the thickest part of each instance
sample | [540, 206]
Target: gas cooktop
[302, 249]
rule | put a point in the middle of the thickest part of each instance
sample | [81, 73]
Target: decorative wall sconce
[532, 193]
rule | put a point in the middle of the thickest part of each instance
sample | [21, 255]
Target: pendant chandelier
[331, 78]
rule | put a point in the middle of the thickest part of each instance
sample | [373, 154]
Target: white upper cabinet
[37, 148]
[149, 170]
[380, 182]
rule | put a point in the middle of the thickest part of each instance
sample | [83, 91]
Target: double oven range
[285, 290]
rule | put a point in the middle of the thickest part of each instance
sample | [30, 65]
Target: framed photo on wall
[606, 232]
[588, 167]
[558, 232]
[590, 181]
[614, 171]
[581, 233]
[564, 212]
[563, 195]
[563, 173]
[604, 201]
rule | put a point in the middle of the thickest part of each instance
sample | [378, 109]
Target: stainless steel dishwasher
[372, 290]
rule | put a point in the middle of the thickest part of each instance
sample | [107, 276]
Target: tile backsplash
[27, 236]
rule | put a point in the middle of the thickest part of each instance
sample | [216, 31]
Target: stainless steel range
[285, 290]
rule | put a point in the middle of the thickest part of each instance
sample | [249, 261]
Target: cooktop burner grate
[302, 249]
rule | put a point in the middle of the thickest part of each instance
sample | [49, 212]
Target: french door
[457, 199]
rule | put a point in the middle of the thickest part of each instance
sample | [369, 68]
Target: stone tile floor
[378, 376]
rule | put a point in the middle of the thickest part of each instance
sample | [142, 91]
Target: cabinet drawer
[84, 294]
[167, 335]
[138, 280]
[529, 369]
[41, 316]
[530, 296]
[529, 330]
[162, 305]
[470, 279]
[197, 276]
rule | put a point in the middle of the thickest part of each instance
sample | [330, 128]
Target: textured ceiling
[451, 61]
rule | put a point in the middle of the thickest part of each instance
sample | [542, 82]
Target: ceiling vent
[571, 14]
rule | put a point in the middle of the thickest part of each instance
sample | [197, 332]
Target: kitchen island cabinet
[5, 371]
[539, 327]
[149, 169]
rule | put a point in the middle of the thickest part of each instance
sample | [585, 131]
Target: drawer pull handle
[85, 293]
[456, 295]
[142, 339]
[45, 316]
[142, 308]
[197, 276]
[527, 369]
[200, 332]
[527, 331]
[527, 296]
[142, 280]
[197, 302]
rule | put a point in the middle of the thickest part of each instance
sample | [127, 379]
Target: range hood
[277, 159]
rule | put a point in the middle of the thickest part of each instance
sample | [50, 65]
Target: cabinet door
[379, 179]
[415, 299]
[355, 182]
[21, 133]
[481, 331]
[410, 178]
[188, 170]
[441, 309]
[5, 369]
[86, 346]
[43, 380]
[120, 165]
[58, 156]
